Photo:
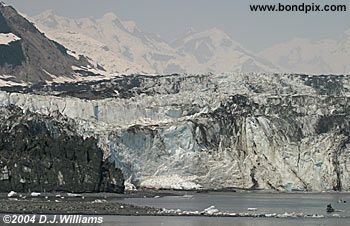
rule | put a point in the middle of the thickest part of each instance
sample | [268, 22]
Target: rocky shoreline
[69, 203]
[99, 207]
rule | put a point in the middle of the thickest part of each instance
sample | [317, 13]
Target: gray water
[202, 221]
[219, 221]
[239, 202]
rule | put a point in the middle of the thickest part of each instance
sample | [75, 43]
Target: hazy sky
[170, 18]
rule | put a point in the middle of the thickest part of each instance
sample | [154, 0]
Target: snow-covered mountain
[121, 46]
[215, 51]
[312, 57]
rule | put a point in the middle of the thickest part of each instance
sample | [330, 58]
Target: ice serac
[250, 131]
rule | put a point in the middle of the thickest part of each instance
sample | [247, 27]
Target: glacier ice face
[224, 150]
[254, 131]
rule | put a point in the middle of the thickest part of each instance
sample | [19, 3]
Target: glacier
[210, 131]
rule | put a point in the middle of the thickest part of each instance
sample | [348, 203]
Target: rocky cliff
[44, 153]
[251, 131]
[30, 57]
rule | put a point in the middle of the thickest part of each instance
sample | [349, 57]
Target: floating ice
[252, 209]
[210, 210]
[35, 194]
[74, 195]
[12, 194]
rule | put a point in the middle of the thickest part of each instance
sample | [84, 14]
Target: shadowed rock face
[34, 57]
[40, 153]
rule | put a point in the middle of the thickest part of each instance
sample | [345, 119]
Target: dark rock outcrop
[34, 57]
[43, 153]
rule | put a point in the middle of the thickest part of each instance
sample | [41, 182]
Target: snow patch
[97, 72]
[78, 78]
[73, 54]
[7, 38]
[4, 81]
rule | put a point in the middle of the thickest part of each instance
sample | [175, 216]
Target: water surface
[239, 202]
[219, 221]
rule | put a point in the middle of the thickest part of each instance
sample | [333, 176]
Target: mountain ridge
[300, 55]
[125, 41]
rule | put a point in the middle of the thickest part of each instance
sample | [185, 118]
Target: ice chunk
[210, 210]
[252, 209]
[35, 194]
[12, 194]
[74, 195]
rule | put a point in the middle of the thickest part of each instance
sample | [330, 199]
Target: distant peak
[216, 30]
[213, 36]
[300, 40]
[347, 32]
[214, 33]
[110, 16]
[47, 13]
[189, 31]
[130, 25]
